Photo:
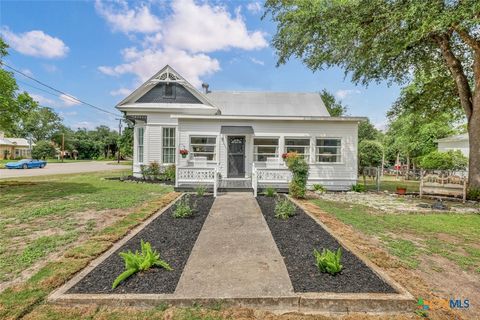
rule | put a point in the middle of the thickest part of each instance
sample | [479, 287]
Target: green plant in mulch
[169, 173]
[284, 209]
[183, 208]
[358, 187]
[140, 261]
[297, 187]
[328, 261]
[200, 190]
[319, 188]
[473, 194]
[270, 192]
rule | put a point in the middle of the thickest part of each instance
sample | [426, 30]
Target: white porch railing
[198, 176]
[269, 176]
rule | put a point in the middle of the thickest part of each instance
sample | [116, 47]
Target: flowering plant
[183, 152]
[284, 155]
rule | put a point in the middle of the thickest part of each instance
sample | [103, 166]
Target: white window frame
[306, 154]
[172, 147]
[140, 146]
[203, 154]
[255, 148]
[339, 150]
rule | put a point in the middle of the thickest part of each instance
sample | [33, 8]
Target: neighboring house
[457, 142]
[236, 139]
[13, 148]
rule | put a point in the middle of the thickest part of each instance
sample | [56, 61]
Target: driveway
[62, 168]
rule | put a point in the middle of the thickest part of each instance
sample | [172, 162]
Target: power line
[59, 91]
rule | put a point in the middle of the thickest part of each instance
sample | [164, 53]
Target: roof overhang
[170, 108]
[284, 118]
[236, 130]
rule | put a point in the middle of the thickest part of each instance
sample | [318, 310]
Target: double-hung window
[265, 148]
[140, 134]
[203, 146]
[298, 145]
[168, 145]
[328, 150]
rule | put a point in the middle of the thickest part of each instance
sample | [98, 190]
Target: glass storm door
[236, 157]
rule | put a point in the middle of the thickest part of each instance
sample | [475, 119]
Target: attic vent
[169, 91]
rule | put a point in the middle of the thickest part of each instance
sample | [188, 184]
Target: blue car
[26, 164]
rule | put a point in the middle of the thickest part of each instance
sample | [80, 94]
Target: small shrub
[270, 192]
[140, 261]
[299, 168]
[183, 209]
[200, 190]
[284, 209]
[145, 170]
[154, 169]
[169, 173]
[319, 188]
[473, 194]
[328, 261]
[358, 187]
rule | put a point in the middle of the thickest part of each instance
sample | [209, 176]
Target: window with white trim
[168, 145]
[203, 146]
[328, 150]
[264, 148]
[140, 134]
[298, 145]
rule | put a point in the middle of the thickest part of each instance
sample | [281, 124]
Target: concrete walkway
[235, 254]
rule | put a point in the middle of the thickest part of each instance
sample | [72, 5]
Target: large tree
[334, 106]
[378, 39]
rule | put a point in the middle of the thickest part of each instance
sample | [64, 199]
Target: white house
[457, 142]
[236, 139]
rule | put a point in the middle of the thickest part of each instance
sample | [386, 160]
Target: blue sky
[99, 51]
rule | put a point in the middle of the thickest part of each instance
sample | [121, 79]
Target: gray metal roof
[458, 137]
[268, 103]
[236, 130]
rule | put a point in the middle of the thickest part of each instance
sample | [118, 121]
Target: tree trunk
[474, 137]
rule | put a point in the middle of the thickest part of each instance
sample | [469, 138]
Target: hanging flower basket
[184, 153]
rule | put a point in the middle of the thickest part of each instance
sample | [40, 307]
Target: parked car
[26, 164]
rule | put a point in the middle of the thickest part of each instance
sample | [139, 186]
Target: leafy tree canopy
[450, 160]
[43, 150]
[370, 153]
[334, 106]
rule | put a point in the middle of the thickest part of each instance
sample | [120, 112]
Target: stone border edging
[308, 303]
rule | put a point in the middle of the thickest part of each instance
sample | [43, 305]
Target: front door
[236, 157]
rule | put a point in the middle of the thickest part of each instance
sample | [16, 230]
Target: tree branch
[458, 74]
[469, 40]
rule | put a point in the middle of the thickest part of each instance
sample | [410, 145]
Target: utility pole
[63, 146]
[119, 137]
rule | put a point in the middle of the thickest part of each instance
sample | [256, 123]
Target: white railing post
[215, 182]
[254, 180]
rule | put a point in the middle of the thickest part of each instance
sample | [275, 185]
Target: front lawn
[41, 216]
[390, 183]
[416, 237]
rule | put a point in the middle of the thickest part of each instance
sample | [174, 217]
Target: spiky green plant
[183, 209]
[140, 261]
[270, 192]
[284, 209]
[328, 261]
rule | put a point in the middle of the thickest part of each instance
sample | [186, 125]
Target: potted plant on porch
[184, 153]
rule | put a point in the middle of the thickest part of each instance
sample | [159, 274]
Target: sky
[99, 52]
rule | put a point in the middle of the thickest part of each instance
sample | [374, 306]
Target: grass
[3, 162]
[28, 297]
[390, 184]
[42, 215]
[410, 236]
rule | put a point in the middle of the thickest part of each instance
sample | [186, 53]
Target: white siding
[334, 176]
[455, 145]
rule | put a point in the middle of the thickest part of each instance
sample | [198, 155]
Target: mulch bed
[172, 238]
[141, 180]
[296, 238]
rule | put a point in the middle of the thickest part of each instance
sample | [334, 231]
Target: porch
[190, 177]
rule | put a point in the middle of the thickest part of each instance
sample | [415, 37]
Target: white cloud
[188, 33]
[28, 72]
[35, 43]
[123, 19]
[51, 68]
[123, 92]
[141, 63]
[68, 101]
[343, 93]
[70, 113]
[83, 124]
[42, 100]
[206, 28]
[256, 61]
[254, 7]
